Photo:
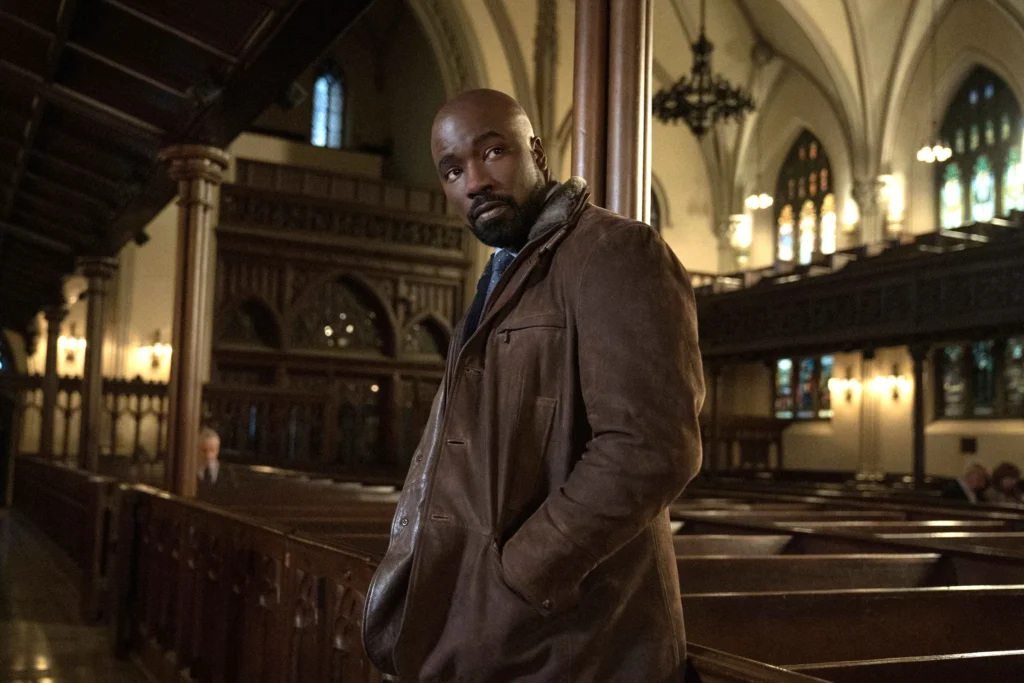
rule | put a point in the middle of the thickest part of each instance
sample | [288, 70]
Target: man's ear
[540, 158]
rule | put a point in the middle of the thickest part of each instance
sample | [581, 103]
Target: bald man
[531, 541]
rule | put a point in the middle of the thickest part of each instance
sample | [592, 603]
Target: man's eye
[452, 173]
[494, 152]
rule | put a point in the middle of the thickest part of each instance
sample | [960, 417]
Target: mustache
[483, 200]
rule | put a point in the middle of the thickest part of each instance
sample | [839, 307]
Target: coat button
[419, 458]
[546, 604]
[405, 521]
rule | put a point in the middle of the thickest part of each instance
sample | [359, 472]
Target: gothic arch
[437, 327]
[263, 314]
[386, 324]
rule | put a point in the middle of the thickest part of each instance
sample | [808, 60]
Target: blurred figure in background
[210, 473]
[1005, 486]
[968, 487]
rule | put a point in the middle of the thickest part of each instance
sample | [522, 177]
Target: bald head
[491, 165]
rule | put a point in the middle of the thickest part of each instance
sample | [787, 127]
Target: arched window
[655, 212]
[805, 208]
[250, 324]
[984, 177]
[328, 107]
[338, 318]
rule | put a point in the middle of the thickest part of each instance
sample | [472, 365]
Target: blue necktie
[499, 264]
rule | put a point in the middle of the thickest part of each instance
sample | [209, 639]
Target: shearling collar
[565, 202]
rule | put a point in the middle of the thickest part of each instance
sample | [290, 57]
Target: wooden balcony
[958, 284]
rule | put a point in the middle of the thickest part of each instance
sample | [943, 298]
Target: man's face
[976, 478]
[208, 450]
[491, 171]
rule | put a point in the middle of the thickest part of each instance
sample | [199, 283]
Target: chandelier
[703, 99]
[938, 151]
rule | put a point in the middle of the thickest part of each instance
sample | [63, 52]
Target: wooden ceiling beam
[69, 192]
[65, 16]
[93, 109]
[127, 71]
[35, 239]
[167, 28]
[109, 183]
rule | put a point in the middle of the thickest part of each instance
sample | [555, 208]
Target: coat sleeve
[642, 385]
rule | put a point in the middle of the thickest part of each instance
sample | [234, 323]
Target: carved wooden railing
[370, 192]
[134, 416]
[745, 443]
[221, 597]
[73, 508]
[288, 428]
[886, 301]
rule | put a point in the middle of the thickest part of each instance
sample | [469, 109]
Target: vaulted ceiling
[91, 90]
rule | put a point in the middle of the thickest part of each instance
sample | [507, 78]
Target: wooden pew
[73, 509]
[750, 574]
[811, 627]
[991, 667]
[210, 595]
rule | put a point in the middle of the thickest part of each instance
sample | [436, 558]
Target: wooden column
[54, 317]
[98, 271]
[612, 103]
[919, 354]
[590, 95]
[627, 178]
[198, 170]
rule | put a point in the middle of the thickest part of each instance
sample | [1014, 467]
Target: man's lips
[489, 210]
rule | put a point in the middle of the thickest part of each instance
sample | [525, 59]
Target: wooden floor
[42, 639]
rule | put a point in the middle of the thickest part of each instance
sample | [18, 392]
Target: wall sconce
[846, 386]
[158, 352]
[893, 383]
[70, 346]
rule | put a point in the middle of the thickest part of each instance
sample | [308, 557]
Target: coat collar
[564, 203]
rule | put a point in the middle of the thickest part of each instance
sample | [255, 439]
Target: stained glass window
[1013, 182]
[952, 198]
[801, 388]
[982, 379]
[1013, 377]
[786, 233]
[953, 384]
[824, 395]
[983, 195]
[983, 385]
[984, 122]
[803, 185]
[808, 222]
[784, 388]
[828, 225]
[328, 107]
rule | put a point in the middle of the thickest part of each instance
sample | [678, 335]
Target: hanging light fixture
[938, 151]
[703, 99]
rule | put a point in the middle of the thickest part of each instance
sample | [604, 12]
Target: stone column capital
[55, 314]
[867, 192]
[195, 162]
[102, 267]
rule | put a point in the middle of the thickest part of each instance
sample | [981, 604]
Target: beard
[510, 229]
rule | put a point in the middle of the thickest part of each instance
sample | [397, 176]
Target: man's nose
[478, 180]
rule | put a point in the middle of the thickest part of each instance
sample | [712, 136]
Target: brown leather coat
[531, 542]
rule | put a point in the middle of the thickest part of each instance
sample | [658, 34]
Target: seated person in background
[969, 486]
[1005, 486]
[210, 473]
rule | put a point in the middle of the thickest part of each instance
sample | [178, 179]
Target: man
[969, 486]
[210, 473]
[531, 541]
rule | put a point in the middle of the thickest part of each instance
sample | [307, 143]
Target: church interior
[226, 216]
